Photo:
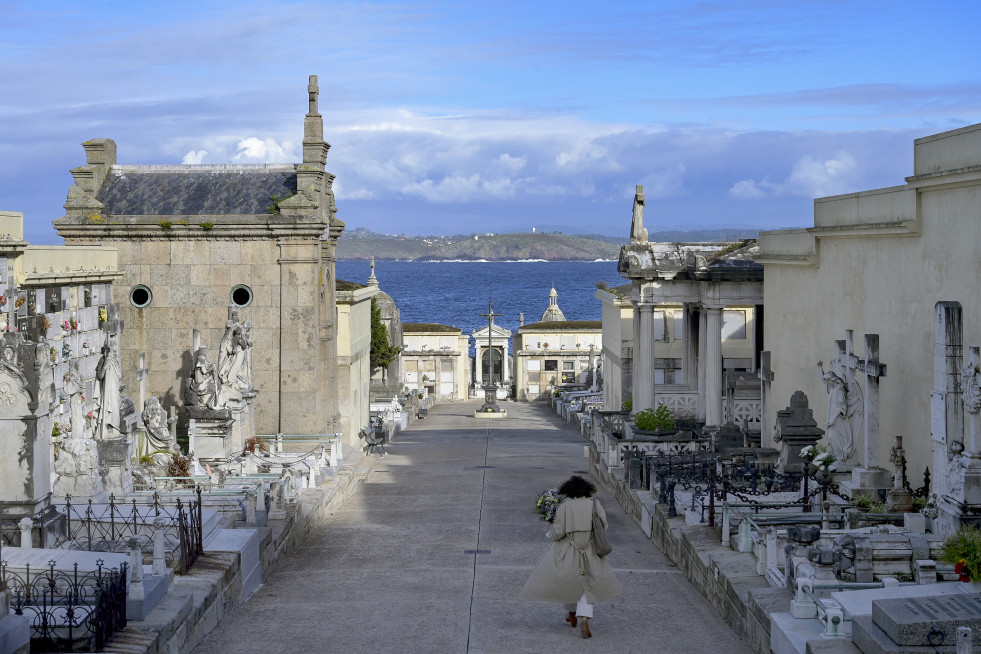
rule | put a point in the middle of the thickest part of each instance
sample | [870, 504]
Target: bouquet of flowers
[548, 502]
[819, 456]
[963, 549]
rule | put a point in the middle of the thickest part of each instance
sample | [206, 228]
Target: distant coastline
[520, 247]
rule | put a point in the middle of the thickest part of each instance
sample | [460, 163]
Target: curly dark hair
[576, 486]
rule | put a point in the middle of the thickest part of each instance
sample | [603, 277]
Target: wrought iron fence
[68, 611]
[106, 527]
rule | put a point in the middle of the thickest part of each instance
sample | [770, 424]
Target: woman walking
[570, 572]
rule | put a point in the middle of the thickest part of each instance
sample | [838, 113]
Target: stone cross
[313, 88]
[873, 371]
[765, 374]
[490, 315]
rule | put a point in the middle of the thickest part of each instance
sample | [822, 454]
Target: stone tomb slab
[920, 621]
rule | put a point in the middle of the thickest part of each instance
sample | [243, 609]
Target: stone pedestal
[490, 400]
[211, 436]
[870, 482]
[115, 465]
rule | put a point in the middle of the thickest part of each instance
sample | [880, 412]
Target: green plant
[659, 419]
[962, 549]
[628, 404]
[867, 504]
[56, 431]
[274, 207]
[165, 224]
[382, 353]
[919, 503]
[419, 395]
[206, 226]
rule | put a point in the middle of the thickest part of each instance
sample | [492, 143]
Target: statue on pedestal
[845, 409]
[202, 387]
[234, 361]
[108, 395]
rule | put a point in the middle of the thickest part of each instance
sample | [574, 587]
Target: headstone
[796, 429]
[961, 504]
[946, 409]
[896, 625]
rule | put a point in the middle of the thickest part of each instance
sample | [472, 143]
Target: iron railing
[106, 527]
[69, 611]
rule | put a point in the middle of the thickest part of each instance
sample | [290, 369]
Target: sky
[460, 117]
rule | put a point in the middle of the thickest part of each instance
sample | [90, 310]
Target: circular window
[241, 296]
[140, 296]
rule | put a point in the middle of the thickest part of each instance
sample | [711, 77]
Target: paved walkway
[395, 570]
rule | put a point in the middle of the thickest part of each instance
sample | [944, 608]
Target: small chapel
[198, 241]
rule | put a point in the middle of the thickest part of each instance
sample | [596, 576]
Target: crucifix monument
[490, 407]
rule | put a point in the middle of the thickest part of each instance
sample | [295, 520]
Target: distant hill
[361, 243]
[495, 247]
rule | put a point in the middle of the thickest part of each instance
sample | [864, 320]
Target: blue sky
[451, 117]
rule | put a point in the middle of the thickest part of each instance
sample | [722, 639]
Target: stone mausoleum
[194, 239]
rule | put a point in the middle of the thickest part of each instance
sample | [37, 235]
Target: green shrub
[206, 226]
[659, 419]
[166, 224]
[628, 404]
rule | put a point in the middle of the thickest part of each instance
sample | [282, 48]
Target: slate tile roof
[193, 190]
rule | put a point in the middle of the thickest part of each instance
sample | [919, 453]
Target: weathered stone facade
[194, 239]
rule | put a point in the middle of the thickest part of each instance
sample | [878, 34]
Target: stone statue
[108, 396]
[971, 387]
[158, 435]
[202, 387]
[638, 233]
[45, 375]
[234, 361]
[245, 370]
[74, 387]
[845, 409]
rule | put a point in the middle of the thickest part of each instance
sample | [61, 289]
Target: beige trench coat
[570, 566]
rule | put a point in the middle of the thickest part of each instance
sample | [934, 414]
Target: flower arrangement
[819, 456]
[66, 350]
[86, 344]
[65, 325]
[3, 301]
[103, 316]
[73, 323]
[963, 549]
[547, 503]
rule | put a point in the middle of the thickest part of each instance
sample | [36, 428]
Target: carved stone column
[644, 359]
[713, 367]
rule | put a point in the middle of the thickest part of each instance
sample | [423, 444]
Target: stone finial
[372, 280]
[313, 88]
[638, 234]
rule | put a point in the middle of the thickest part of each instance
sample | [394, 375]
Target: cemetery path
[429, 554]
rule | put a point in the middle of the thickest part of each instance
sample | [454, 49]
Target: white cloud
[267, 150]
[809, 177]
[512, 164]
[815, 178]
[194, 157]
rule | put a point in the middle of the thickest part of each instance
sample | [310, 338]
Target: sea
[456, 292]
